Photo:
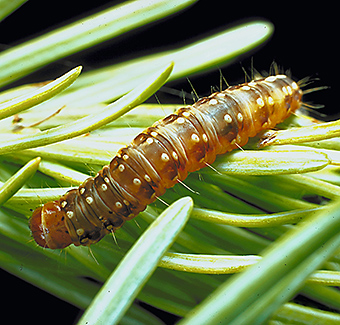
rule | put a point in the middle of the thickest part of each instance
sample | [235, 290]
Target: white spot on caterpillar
[82, 191]
[107, 180]
[213, 101]
[245, 88]
[165, 157]
[252, 83]
[228, 118]
[270, 100]
[137, 181]
[126, 202]
[147, 178]
[63, 204]
[174, 155]
[271, 78]
[240, 117]
[69, 214]
[260, 102]
[149, 140]
[295, 86]
[118, 205]
[89, 199]
[80, 231]
[154, 134]
[205, 138]
[290, 91]
[186, 114]
[125, 157]
[121, 167]
[284, 89]
[180, 120]
[195, 137]
[104, 187]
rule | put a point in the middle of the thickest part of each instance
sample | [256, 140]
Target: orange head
[48, 227]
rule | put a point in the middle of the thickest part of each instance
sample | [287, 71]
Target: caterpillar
[161, 156]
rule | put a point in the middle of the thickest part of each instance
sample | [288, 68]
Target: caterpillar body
[162, 155]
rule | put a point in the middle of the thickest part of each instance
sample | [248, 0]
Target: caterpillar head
[48, 227]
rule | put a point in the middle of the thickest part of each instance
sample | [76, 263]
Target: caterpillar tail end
[48, 227]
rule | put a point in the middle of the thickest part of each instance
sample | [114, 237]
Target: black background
[305, 41]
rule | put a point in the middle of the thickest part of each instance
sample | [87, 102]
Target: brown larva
[162, 155]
